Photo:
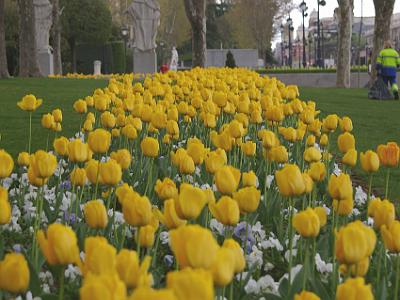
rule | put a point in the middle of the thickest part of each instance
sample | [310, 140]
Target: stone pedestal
[144, 61]
[97, 67]
[45, 58]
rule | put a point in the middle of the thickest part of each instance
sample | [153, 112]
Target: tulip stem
[396, 289]
[62, 276]
[305, 265]
[387, 183]
[97, 180]
[290, 233]
[30, 132]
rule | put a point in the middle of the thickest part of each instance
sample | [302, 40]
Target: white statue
[43, 22]
[146, 19]
[173, 66]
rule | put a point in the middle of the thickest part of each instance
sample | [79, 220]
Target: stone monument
[173, 66]
[43, 22]
[145, 15]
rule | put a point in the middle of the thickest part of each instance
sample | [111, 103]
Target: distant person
[387, 63]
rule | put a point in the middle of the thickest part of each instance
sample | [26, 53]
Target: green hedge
[308, 70]
[111, 55]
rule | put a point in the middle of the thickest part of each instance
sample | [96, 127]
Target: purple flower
[17, 248]
[66, 185]
[243, 231]
[69, 218]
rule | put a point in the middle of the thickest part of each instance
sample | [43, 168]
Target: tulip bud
[350, 158]
[5, 207]
[150, 147]
[79, 151]
[346, 141]
[248, 199]
[369, 161]
[227, 179]
[307, 223]
[60, 145]
[391, 236]
[145, 236]
[6, 164]
[99, 140]
[80, 106]
[57, 115]
[249, 179]
[95, 214]
[23, 159]
[14, 273]
[43, 164]
[290, 181]
[226, 211]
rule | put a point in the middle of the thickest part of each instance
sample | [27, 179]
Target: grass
[56, 93]
[375, 122]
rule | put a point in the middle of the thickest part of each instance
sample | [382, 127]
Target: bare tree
[3, 57]
[56, 37]
[28, 58]
[383, 16]
[196, 14]
[345, 20]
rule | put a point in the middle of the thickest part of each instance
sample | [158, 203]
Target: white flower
[269, 180]
[293, 272]
[255, 258]
[321, 266]
[252, 287]
[268, 267]
[258, 231]
[287, 254]
[337, 170]
[28, 296]
[360, 196]
[271, 243]
[267, 284]
[164, 237]
[72, 272]
[217, 227]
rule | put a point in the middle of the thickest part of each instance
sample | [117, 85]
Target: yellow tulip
[186, 165]
[304, 295]
[188, 244]
[150, 294]
[215, 160]
[191, 284]
[340, 187]
[346, 141]
[249, 148]
[321, 213]
[269, 139]
[99, 140]
[100, 256]
[307, 223]
[220, 98]
[343, 207]
[249, 179]
[170, 217]
[288, 133]
[166, 189]
[14, 273]
[331, 122]
[354, 242]
[226, 211]
[43, 164]
[278, 154]
[317, 171]
[60, 145]
[133, 273]
[324, 140]
[107, 120]
[80, 106]
[60, 247]
[29, 103]
[310, 140]
[350, 158]
[358, 269]
[353, 289]
[346, 124]
[391, 236]
[248, 199]
[389, 154]
[129, 131]
[227, 179]
[5, 207]
[145, 237]
[95, 214]
[78, 151]
[102, 287]
[110, 172]
[23, 159]
[190, 202]
[196, 150]
[369, 161]
[123, 157]
[57, 115]
[383, 212]
[236, 129]
[224, 267]
[240, 262]
[48, 121]
[136, 209]
[150, 147]
[6, 164]
[312, 154]
[290, 181]
[78, 177]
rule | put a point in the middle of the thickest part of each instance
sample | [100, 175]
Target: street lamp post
[290, 29]
[303, 7]
[125, 32]
[319, 62]
[282, 43]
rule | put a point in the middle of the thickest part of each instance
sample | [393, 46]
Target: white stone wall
[247, 58]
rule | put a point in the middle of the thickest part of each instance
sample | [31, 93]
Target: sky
[327, 10]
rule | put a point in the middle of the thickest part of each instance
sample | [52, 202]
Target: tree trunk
[3, 57]
[28, 58]
[196, 14]
[56, 36]
[345, 17]
[383, 16]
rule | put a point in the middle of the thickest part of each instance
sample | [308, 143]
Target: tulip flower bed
[196, 185]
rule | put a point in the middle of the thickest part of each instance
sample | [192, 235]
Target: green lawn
[56, 93]
[375, 122]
